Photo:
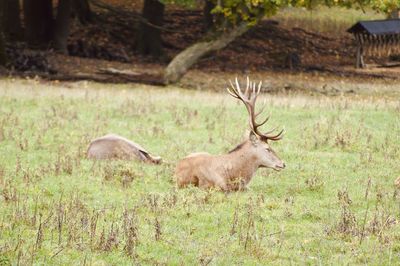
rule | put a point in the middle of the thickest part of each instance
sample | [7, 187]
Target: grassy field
[335, 203]
[333, 21]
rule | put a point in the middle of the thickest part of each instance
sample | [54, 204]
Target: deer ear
[253, 138]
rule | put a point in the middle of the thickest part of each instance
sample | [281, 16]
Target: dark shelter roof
[377, 27]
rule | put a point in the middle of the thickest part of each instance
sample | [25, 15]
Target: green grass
[59, 208]
[333, 21]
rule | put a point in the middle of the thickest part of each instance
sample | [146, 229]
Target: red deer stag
[233, 171]
[116, 147]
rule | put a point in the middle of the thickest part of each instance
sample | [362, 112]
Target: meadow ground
[332, 21]
[335, 203]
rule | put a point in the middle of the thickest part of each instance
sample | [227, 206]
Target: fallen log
[130, 76]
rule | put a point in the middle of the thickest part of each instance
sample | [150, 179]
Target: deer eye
[268, 150]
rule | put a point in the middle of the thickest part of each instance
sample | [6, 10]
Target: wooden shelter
[376, 38]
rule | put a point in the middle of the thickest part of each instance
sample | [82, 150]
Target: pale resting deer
[112, 146]
[233, 171]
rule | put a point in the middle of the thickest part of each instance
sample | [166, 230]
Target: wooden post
[359, 59]
[360, 52]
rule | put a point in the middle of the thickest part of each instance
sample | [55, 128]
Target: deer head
[260, 147]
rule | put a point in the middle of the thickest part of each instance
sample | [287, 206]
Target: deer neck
[242, 163]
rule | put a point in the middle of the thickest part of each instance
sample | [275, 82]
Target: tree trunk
[3, 57]
[188, 57]
[83, 11]
[149, 40]
[38, 21]
[61, 30]
[11, 19]
[208, 18]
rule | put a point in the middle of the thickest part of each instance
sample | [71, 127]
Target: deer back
[112, 146]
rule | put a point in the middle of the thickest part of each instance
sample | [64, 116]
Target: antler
[249, 98]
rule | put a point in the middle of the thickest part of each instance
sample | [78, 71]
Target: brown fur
[238, 147]
[116, 147]
[232, 171]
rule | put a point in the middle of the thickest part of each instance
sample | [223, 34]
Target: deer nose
[283, 165]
